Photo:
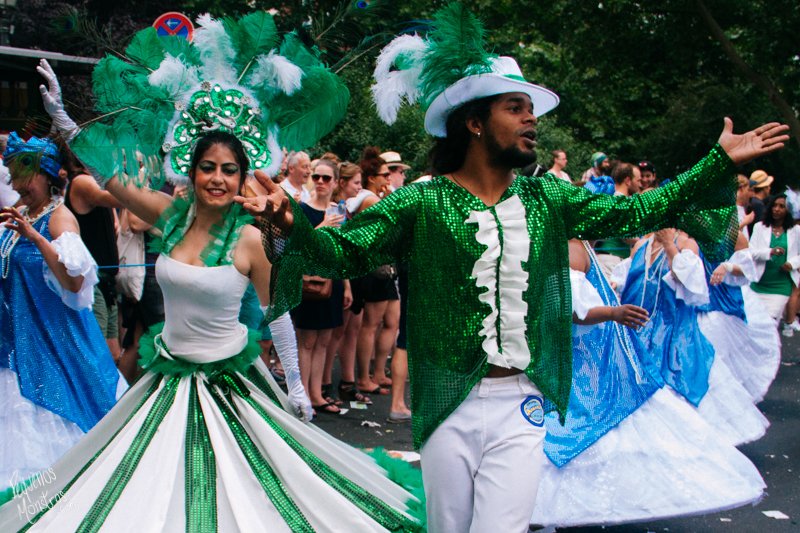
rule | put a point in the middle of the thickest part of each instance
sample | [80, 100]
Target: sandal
[349, 393]
[328, 408]
[327, 393]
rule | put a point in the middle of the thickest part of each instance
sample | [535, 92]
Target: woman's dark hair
[371, 163]
[448, 153]
[788, 221]
[71, 164]
[229, 141]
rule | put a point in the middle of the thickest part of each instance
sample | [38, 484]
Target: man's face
[605, 167]
[636, 181]
[561, 159]
[300, 171]
[397, 176]
[510, 131]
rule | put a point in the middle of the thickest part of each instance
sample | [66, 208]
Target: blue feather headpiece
[47, 152]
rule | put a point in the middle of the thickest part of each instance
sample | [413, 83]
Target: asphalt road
[777, 456]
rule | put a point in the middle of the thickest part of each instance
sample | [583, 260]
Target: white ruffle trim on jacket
[73, 254]
[499, 269]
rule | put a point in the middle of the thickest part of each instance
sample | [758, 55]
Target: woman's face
[324, 181]
[33, 191]
[779, 209]
[381, 179]
[217, 177]
[352, 187]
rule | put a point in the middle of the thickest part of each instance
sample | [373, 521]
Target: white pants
[481, 467]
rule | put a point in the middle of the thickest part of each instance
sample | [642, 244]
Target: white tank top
[201, 310]
[353, 204]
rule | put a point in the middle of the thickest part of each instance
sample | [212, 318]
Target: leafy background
[637, 79]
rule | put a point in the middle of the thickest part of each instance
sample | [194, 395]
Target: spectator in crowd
[377, 289]
[762, 185]
[601, 166]
[8, 196]
[559, 164]
[139, 315]
[744, 192]
[316, 319]
[344, 338]
[649, 178]
[94, 209]
[775, 247]
[397, 169]
[298, 169]
[610, 252]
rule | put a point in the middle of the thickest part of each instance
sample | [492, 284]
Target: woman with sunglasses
[315, 320]
[377, 290]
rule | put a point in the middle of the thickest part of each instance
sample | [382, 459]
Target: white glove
[285, 341]
[53, 104]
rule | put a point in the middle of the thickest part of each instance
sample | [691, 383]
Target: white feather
[275, 153]
[276, 72]
[216, 49]
[174, 76]
[393, 86]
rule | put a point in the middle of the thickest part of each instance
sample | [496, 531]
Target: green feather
[253, 35]
[455, 50]
[146, 49]
[311, 113]
[295, 51]
[121, 85]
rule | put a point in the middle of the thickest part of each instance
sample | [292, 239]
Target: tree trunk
[787, 112]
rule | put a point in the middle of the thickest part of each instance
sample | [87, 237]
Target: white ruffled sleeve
[744, 260]
[73, 254]
[687, 278]
[584, 296]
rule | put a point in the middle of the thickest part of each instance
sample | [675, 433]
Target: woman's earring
[478, 134]
[54, 191]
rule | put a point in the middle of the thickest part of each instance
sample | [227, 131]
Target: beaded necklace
[10, 241]
[657, 266]
[624, 340]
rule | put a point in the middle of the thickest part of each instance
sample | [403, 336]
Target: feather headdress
[446, 69]
[237, 75]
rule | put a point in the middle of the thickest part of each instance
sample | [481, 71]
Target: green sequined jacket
[491, 284]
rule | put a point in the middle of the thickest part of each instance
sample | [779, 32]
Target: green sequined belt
[156, 357]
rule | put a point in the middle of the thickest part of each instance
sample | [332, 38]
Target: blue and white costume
[659, 461]
[57, 377]
[742, 332]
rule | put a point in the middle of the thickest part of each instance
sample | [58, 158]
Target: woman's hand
[665, 236]
[331, 220]
[15, 221]
[629, 315]
[755, 143]
[718, 275]
[273, 206]
[787, 267]
[777, 251]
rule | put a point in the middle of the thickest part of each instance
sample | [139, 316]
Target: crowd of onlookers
[361, 322]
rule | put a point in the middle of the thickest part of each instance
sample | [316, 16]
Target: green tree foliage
[637, 79]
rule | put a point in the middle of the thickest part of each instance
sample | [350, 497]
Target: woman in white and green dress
[205, 440]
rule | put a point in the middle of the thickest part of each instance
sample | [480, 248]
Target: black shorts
[148, 311]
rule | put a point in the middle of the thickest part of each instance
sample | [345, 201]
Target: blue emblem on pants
[533, 410]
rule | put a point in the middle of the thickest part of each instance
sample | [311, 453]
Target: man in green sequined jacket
[489, 324]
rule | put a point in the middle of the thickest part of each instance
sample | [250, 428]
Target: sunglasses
[323, 177]
[384, 174]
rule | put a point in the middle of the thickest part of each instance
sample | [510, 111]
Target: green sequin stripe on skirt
[200, 454]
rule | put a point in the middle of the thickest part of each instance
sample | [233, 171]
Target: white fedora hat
[506, 77]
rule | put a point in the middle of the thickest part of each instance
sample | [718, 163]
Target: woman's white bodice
[201, 310]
